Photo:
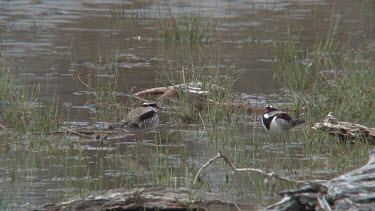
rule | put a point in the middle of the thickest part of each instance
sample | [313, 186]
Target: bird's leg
[273, 138]
[136, 138]
[140, 138]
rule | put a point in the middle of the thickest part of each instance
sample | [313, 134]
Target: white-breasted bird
[276, 121]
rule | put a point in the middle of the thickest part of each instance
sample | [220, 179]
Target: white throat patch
[152, 108]
[271, 114]
[266, 116]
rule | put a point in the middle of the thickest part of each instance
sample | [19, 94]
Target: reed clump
[121, 12]
[208, 97]
[345, 88]
[21, 109]
[186, 27]
[101, 82]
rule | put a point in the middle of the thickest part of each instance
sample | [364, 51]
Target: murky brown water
[46, 40]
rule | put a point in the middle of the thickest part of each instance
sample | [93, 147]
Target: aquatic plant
[121, 12]
[22, 110]
[326, 80]
[208, 97]
[186, 27]
[101, 82]
[173, 155]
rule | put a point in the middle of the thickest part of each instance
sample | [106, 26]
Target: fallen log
[352, 191]
[346, 130]
[150, 199]
[193, 87]
[196, 94]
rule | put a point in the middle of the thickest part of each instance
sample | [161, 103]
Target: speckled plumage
[141, 120]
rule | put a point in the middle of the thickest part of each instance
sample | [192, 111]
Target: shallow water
[50, 42]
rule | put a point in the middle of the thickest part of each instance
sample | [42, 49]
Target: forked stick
[260, 171]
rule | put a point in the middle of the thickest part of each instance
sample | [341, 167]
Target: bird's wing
[284, 120]
[136, 115]
[147, 115]
[283, 115]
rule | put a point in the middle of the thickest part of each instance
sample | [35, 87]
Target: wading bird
[141, 120]
[276, 121]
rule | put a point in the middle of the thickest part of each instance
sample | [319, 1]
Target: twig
[4, 127]
[79, 78]
[205, 165]
[76, 133]
[91, 132]
[260, 171]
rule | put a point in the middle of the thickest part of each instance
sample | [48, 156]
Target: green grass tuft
[21, 109]
[186, 27]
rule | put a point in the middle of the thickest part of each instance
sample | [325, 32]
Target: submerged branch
[205, 165]
[90, 133]
[259, 171]
[76, 133]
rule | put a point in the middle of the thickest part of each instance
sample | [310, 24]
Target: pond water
[55, 45]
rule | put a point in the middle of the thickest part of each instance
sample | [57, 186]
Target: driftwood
[169, 92]
[352, 191]
[150, 199]
[346, 130]
[195, 92]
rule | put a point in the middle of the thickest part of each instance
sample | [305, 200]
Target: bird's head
[270, 108]
[152, 105]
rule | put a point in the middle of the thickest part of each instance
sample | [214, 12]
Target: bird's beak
[160, 108]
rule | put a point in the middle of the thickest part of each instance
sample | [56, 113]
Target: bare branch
[80, 80]
[259, 171]
[205, 165]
